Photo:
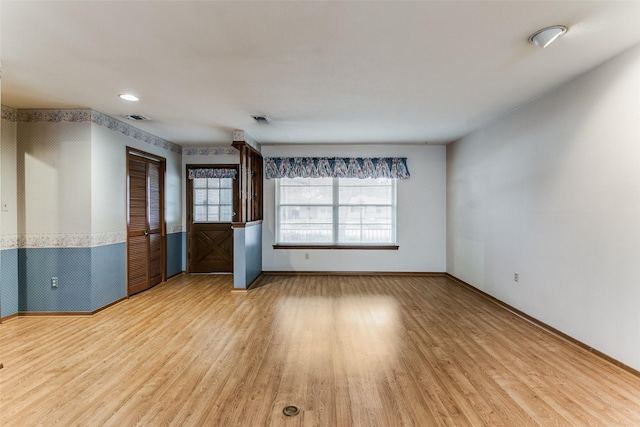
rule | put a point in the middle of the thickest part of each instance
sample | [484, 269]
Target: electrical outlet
[54, 282]
[516, 276]
[306, 256]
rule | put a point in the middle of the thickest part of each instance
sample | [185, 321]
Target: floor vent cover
[291, 411]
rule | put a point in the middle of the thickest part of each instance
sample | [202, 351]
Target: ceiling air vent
[261, 119]
[137, 117]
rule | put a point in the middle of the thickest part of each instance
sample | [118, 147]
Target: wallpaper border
[209, 151]
[240, 135]
[71, 240]
[176, 228]
[77, 115]
[10, 114]
[61, 240]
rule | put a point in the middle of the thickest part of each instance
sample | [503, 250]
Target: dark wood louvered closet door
[155, 224]
[145, 236]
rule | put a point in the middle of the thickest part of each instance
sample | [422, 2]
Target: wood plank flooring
[348, 350]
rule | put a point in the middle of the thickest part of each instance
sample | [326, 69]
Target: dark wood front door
[211, 207]
[145, 227]
[211, 248]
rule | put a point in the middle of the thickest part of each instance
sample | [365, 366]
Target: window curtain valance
[212, 173]
[336, 167]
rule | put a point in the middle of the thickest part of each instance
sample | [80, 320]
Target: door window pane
[212, 200]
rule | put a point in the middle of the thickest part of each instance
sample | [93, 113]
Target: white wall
[109, 172]
[53, 166]
[421, 216]
[552, 191]
[8, 171]
[108, 180]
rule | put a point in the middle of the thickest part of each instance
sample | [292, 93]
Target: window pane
[370, 194]
[317, 195]
[225, 213]
[199, 197]
[200, 213]
[305, 181]
[213, 213]
[365, 182]
[364, 211]
[306, 191]
[200, 183]
[365, 224]
[306, 214]
[306, 233]
[350, 233]
[354, 233]
[365, 215]
[213, 197]
[225, 197]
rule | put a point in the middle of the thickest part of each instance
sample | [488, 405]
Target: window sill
[351, 247]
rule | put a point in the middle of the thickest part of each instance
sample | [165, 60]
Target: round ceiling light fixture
[544, 37]
[128, 97]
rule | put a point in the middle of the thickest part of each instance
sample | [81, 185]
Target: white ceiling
[323, 72]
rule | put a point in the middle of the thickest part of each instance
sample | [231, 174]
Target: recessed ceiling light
[128, 97]
[546, 36]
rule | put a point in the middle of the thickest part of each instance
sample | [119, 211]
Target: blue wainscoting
[8, 282]
[253, 248]
[108, 274]
[176, 253]
[88, 278]
[72, 267]
[184, 251]
[247, 254]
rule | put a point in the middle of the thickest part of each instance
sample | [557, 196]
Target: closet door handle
[146, 233]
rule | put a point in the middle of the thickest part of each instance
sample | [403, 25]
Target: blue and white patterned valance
[213, 173]
[336, 167]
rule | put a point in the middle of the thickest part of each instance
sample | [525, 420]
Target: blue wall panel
[175, 250]
[8, 282]
[253, 252]
[108, 274]
[184, 251]
[88, 278]
[72, 267]
[247, 255]
[239, 259]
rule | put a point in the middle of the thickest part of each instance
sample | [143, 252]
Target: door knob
[146, 233]
[233, 214]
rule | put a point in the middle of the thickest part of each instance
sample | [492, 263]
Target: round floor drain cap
[291, 411]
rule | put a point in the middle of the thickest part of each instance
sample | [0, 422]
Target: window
[212, 199]
[335, 211]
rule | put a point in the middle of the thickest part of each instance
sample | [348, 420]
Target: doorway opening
[212, 206]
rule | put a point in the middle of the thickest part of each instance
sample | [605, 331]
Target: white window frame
[336, 218]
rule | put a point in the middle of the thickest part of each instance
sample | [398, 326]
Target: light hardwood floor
[348, 350]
